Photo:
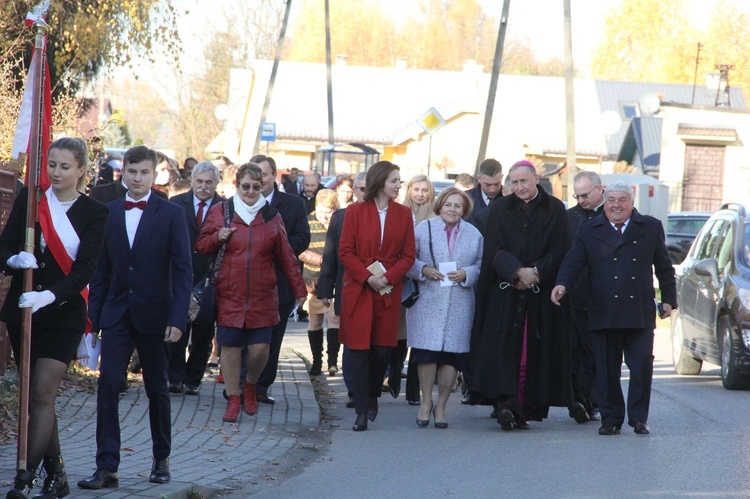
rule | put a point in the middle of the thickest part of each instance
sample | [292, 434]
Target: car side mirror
[708, 268]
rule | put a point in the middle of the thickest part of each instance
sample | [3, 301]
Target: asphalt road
[698, 448]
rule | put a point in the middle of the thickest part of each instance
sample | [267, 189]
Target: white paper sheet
[444, 268]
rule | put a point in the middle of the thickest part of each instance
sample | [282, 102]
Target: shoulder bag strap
[429, 229]
[215, 264]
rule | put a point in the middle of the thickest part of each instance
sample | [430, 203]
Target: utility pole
[329, 84]
[569, 103]
[274, 70]
[695, 76]
[493, 85]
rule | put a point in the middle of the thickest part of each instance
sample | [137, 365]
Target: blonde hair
[80, 150]
[327, 198]
[426, 210]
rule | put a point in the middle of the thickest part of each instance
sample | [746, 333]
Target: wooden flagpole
[33, 173]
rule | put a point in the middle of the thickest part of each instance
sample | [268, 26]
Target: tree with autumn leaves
[648, 40]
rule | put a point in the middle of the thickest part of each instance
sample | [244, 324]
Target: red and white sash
[61, 237]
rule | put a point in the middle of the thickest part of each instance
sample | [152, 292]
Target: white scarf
[246, 212]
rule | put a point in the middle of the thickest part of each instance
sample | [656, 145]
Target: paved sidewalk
[208, 455]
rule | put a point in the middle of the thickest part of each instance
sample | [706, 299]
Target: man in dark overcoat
[588, 191]
[520, 350]
[185, 375]
[620, 247]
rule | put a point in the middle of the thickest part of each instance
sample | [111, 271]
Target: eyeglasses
[247, 187]
[584, 196]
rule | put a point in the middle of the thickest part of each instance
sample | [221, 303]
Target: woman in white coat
[439, 323]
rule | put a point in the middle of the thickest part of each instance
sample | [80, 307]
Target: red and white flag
[22, 138]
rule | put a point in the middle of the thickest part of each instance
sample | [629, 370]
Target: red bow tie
[129, 205]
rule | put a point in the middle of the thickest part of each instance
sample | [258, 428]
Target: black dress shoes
[642, 430]
[360, 424]
[350, 403]
[101, 479]
[372, 409]
[192, 389]
[594, 414]
[264, 398]
[160, 471]
[394, 390]
[610, 429]
[578, 412]
[505, 419]
[176, 387]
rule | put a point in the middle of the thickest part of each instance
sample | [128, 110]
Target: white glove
[36, 300]
[23, 260]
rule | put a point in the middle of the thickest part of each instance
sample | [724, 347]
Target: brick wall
[703, 182]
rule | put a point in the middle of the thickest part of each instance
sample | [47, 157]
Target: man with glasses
[291, 207]
[589, 193]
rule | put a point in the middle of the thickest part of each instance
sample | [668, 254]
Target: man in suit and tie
[490, 180]
[292, 210]
[139, 295]
[620, 247]
[186, 376]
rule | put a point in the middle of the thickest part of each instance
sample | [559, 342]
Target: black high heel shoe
[438, 424]
[360, 424]
[425, 422]
[372, 409]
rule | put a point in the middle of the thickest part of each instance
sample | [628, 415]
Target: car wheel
[683, 362]
[730, 377]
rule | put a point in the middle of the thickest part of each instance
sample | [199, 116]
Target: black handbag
[202, 299]
[410, 291]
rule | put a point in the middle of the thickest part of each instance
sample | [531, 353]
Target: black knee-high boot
[316, 345]
[332, 338]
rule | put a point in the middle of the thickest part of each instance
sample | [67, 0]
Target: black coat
[200, 261]
[577, 216]
[113, 191]
[621, 289]
[89, 219]
[331, 271]
[292, 211]
[515, 238]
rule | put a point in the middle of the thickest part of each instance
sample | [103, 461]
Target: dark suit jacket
[292, 211]
[292, 187]
[479, 213]
[332, 272]
[89, 219]
[577, 216]
[186, 201]
[153, 280]
[113, 191]
[621, 290]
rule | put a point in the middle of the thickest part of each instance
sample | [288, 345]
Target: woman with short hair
[440, 321]
[247, 306]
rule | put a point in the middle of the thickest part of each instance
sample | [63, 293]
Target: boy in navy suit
[139, 296]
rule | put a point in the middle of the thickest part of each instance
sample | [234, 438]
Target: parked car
[439, 185]
[713, 293]
[682, 227]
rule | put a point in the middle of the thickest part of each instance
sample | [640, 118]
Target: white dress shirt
[133, 217]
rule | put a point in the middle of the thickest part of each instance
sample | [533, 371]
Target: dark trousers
[582, 367]
[346, 370]
[268, 376]
[191, 371]
[117, 344]
[637, 345]
[368, 371]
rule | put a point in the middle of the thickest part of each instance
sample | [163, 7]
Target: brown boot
[250, 402]
[233, 409]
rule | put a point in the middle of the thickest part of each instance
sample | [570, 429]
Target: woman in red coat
[247, 304]
[377, 232]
